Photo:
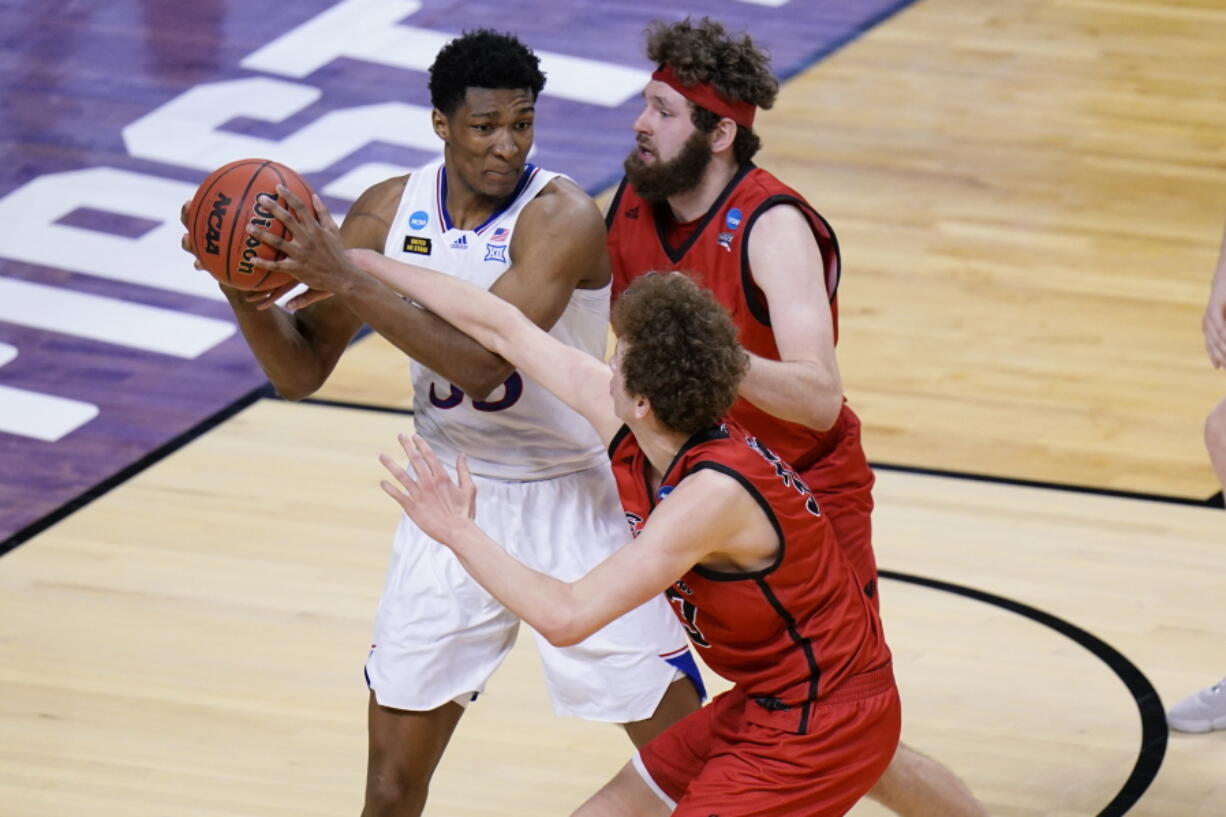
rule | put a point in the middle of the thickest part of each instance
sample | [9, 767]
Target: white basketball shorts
[439, 636]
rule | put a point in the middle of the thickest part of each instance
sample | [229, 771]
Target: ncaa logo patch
[419, 219]
[733, 219]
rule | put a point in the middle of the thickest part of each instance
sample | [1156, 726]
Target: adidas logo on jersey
[460, 243]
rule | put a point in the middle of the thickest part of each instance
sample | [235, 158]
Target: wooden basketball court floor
[1029, 197]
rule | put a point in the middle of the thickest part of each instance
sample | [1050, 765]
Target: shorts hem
[637, 761]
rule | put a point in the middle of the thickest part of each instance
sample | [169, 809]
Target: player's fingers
[267, 237]
[183, 212]
[427, 453]
[466, 484]
[1217, 354]
[465, 477]
[422, 466]
[402, 499]
[276, 292]
[410, 451]
[311, 296]
[322, 213]
[296, 205]
[400, 475]
[278, 211]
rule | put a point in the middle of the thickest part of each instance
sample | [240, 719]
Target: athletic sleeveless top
[790, 634]
[520, 431]
[716, 254]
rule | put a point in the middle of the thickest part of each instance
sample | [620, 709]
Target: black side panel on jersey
[752, 490]
[613, 205]
[827, 244]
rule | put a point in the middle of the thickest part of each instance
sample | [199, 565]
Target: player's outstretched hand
[432, 500]
[315, 253]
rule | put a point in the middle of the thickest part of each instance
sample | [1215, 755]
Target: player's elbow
[481, 382]
[824, 412]
[294, 388]
[565, 630]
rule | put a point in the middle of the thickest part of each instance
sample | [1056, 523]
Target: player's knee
[395, 791]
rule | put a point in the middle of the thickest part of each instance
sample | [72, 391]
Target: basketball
[218, 215]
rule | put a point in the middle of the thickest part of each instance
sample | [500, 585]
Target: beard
[679, 175]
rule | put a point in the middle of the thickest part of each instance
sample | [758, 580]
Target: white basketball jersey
[520, 431]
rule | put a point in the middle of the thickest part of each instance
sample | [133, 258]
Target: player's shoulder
[562, 202]
[367, 223]
[384, 194]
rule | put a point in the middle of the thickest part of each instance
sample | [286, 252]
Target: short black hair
[482, 59]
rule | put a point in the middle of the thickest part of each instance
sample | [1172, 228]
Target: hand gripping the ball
[315, 255]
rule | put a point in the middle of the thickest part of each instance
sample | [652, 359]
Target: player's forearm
[798, 391]
[425, 337]
[548, 605]
[474, 311]
[282, 346]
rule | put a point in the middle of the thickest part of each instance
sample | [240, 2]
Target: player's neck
[466, 207]
[694, 203]
[659, 445]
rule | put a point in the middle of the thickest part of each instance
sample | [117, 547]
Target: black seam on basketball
[278, 255]
[237, 210]
[203, 196]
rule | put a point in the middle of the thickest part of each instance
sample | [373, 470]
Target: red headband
[705, 95]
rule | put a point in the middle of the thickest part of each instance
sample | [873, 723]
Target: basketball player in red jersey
[534, 238]
[721, 525]
[692, 199]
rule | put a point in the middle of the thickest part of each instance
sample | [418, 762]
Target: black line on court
[124, 474]
[1214, 501]
[1154, 732]
[316, 401]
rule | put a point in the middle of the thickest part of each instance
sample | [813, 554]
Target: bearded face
[656, 179]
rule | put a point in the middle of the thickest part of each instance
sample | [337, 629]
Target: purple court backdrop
[111, 345]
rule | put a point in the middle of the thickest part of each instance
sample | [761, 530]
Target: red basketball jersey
[790, 634]
[716, 254]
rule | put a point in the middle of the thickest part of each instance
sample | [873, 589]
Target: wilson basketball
[218, 215]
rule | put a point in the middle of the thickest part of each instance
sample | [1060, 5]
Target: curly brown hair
[679, 350]
[737, 68]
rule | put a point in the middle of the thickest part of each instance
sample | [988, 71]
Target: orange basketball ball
[217, 218]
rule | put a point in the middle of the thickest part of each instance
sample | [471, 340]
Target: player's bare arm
[556, 247]
[298, 351]
[708, 519]
[804, 385]
[573, 376]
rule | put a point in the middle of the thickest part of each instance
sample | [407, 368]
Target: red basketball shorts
[720, 762]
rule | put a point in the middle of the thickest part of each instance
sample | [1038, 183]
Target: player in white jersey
[536, 240]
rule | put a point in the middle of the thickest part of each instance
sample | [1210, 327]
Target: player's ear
[441, 127]
[642, 407]
[723, 136]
